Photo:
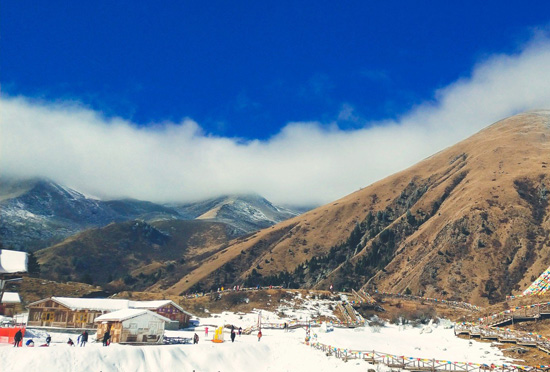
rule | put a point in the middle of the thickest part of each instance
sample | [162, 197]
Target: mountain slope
[133, 254]
[470, 222]
[246, 213]
[37, 213]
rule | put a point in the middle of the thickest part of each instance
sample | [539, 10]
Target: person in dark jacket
[48, 340]
[106, 338]
[84, 338]
[17, 339]
[233, 334]
[196, 339]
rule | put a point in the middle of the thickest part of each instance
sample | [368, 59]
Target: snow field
[277, 351]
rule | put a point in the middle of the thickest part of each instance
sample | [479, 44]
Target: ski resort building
[132, 326]
[8, 303]
[66, 312]
[13, 265]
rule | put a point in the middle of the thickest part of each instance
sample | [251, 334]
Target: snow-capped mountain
[37, 213]
[246, 213]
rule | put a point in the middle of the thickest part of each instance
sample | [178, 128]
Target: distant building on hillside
[13, 265]
[132, 326]
[8, 303]
[66, 312]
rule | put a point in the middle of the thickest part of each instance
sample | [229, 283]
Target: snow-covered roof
[102, 304]
[126, 314]
[11, 298]
[109, 304]
[156, 304]
[149, 304]
[12, 262]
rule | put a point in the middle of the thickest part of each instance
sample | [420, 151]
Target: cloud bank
[306, 163]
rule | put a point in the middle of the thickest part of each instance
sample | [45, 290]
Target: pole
[2, 284]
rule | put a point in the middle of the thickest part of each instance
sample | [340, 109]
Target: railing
[504, 335]
[457, 304]
[528, 312]
[420, 364]
[234, 289]
[367, 298]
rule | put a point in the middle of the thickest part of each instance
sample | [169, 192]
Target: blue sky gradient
[301, 102]
[247, 68]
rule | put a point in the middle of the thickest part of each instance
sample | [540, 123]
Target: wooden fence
[420, 364]
[456, 304]
[504, 335]
[519, 313]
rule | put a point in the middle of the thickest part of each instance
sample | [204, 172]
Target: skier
[70, 342]
[240, 331]
[48, 340]
[205, 331]
[84, 338]
[17, 338]
[259, 335]
[233, 334]
[196, 339]
[29, 343]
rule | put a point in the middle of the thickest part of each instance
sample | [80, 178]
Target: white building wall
[144, 325]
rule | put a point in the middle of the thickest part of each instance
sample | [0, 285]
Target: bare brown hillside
[133, 254]
[470, 222]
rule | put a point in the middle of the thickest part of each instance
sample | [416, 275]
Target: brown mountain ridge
[470, 222]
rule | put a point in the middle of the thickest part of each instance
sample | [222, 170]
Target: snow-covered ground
[277, 351]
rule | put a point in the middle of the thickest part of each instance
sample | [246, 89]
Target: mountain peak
[469, 222]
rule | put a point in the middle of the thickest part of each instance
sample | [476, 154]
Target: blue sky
[247, 68]
[249, 82]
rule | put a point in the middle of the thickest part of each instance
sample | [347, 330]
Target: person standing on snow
[84, 338]
[233, 334]
[48, 340]
[196, 339]
[106, 338]
[259, 335]
[17, 338]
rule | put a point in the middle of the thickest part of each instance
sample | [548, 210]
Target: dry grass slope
[470, 223]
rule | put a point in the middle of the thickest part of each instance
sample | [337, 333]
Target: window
[47, 316]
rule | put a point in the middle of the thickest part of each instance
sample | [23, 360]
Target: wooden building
[166, 308]
[13, 265]
[132, 326]
[65, 312]
[8, 303]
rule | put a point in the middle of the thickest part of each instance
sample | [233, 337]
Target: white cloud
[304, 163]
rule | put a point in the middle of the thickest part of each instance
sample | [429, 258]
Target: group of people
[81, 340]
[18, 340]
